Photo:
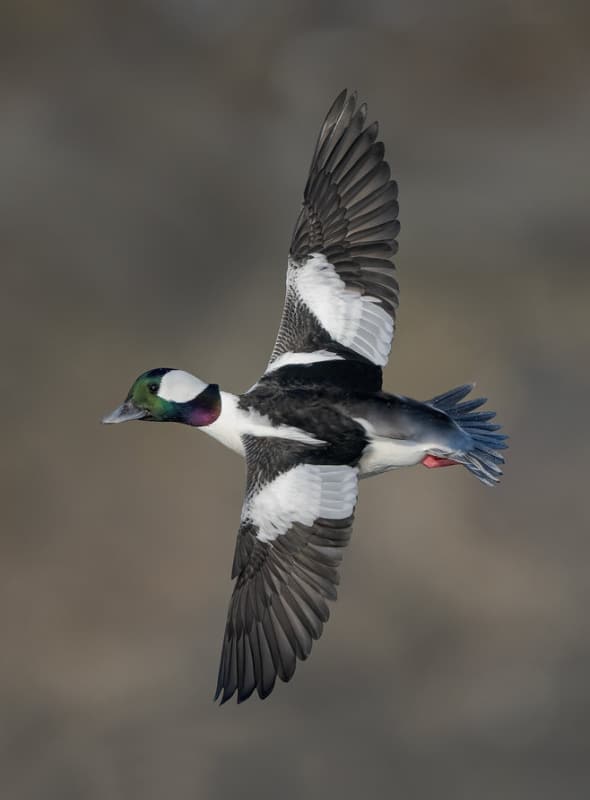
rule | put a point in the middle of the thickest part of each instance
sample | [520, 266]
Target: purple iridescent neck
[203, 410]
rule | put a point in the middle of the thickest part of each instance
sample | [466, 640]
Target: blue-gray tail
[483, 459]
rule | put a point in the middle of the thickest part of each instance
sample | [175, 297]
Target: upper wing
[294, 525]
[342, 294]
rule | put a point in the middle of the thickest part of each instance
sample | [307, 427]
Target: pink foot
[434, 461]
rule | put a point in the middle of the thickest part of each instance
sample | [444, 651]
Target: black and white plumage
[296, 519]
[341, 291]
[317, 421]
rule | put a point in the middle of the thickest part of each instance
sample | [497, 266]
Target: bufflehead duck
[317, 420]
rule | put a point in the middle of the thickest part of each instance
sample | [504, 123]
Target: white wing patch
[303, 494]
[357, 321]
[289, 359]
[180, 386]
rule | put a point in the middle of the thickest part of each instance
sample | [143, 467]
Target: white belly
[383, 454]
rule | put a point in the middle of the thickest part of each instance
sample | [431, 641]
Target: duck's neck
[229, 425]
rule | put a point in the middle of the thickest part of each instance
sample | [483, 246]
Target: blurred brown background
[152, 159]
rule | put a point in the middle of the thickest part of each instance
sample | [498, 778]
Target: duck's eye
[153, 387]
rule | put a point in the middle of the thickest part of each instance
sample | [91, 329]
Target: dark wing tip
[278, 608]
[349, 192]
[338, 104]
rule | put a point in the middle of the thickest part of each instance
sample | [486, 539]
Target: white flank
[180, 386]
[234, 422]
[290, 359]
[355, 320]
[304, 494]
[383, 453]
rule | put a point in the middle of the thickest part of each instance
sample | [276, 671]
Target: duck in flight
[318, 420]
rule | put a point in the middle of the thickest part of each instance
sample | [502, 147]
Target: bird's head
[169, 395]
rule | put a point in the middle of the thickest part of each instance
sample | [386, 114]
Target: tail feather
[483, 458]
[471, 405]
[452, 397]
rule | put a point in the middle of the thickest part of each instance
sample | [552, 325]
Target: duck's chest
[238, 420]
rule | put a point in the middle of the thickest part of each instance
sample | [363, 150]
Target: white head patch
[180, 386]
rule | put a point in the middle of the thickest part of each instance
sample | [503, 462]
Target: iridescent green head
[169, 395]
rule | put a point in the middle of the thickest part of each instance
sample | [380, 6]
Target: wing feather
[341, 248]
[295, 524]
